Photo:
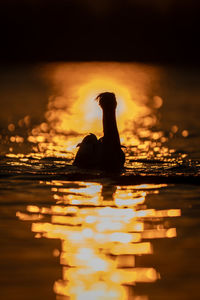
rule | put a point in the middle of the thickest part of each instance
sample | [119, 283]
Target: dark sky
[132, 30]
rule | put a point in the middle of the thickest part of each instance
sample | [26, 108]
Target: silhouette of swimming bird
[105, 153]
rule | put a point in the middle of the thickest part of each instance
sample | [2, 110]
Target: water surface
[85, 234]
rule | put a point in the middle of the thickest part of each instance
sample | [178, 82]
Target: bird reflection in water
[105, 153]
[102, 229]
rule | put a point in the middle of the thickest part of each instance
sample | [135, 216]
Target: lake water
[78, 234]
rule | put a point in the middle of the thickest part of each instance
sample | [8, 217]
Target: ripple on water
[103, 228]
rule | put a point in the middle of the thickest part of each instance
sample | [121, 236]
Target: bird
[104, 153]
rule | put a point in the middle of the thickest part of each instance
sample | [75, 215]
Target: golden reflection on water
[102, 229]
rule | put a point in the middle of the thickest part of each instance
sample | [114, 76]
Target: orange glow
[158, 101]
[74, 112]
[26, 217]
[11, 127]
[92, 114]
[127, 81]
[132, 275]
[185, 133]
[33, 208]
[148, 186]
[96, 290]
[174, 212]
[161, 233]
[140, 248]
[99, 244]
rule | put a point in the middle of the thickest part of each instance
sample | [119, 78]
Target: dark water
[68, 233]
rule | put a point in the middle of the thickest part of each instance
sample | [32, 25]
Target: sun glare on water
[102, 229]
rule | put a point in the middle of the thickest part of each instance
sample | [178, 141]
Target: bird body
[104, 153]
[89, 153]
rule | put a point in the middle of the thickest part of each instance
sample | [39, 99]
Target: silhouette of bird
[104, 153]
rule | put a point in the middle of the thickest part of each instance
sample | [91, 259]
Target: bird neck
[111, 134]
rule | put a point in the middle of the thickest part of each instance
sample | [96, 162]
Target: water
[68, 233]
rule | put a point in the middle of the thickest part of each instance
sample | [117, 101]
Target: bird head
[107, 101]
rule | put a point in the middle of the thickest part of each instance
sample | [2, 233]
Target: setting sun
[77, 110]
[73, 112]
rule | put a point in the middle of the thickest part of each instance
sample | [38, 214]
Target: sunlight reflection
[100, 244]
